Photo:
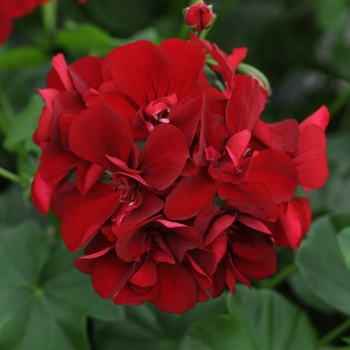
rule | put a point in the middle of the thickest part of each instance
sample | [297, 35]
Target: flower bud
[198, 16]
[247, 69]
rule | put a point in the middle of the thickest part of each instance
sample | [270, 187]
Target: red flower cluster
[178, 188]
[13, 9]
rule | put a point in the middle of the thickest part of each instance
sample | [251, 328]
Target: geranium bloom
[138, 149]
[152, 85]
[64, 97]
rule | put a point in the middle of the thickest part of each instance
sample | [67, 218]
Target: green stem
[340, 101]
[49, 17]
[6, 107]
[335, 333]
[281, 276]
[3, 124]
[10, 176]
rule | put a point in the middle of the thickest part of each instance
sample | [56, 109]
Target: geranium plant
[166, 182]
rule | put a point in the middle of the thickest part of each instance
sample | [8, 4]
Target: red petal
[87, 175]
[190, 195]
[185, 71]
[163, 156]
[86, 73]
[251, 198]
[236, 57]
[274, 169]
[60, 65]
[97, 132]
[110, 274]
[140, 70]
[310, 159]
[243, 108]
[84, 220]
[178, 291]
[319, 118]
[146, 275]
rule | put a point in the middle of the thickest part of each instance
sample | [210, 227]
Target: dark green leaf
[322, 266]
[23, 126]
[224, 332]
[274, 322]
[22, 57]
[44, 300]
[307, 295]
[147, 328]
[343, 238]
[90, 39]
[258, 320]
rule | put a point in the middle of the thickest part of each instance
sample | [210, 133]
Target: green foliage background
[303, 47]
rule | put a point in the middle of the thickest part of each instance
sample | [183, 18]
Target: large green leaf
[147, 328]
[90, 39]
[224, 332]
[22, 57]
[22, 127]
[343, 238]
[307, 295]
[321, 263]
[258, 320]
[44, 300]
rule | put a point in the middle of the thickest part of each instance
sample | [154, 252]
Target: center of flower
[126, 191]
[158, 110]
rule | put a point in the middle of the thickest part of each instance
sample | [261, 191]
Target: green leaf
[22, 127]
[343, 238]
[22, 57]
[346, 340]
[44, 300]
[307, 295]
[258, 320]
[322, 266]
[89, 39]
[14, 210]
[274, 322]
[224, 332]
[147, 328]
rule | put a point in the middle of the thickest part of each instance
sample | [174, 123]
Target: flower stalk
[281, 276]
[9, 175]
[335, 333]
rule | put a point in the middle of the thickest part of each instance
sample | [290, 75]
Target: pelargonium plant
[157, 162]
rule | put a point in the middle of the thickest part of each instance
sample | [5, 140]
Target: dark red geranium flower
[66, 89]
[242, 245]
[230, 168]
[137, 148]
[153, 85]
[143, 264]
[104, 139]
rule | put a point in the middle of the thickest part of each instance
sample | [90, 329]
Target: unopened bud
[246, 69]
[198, 16]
